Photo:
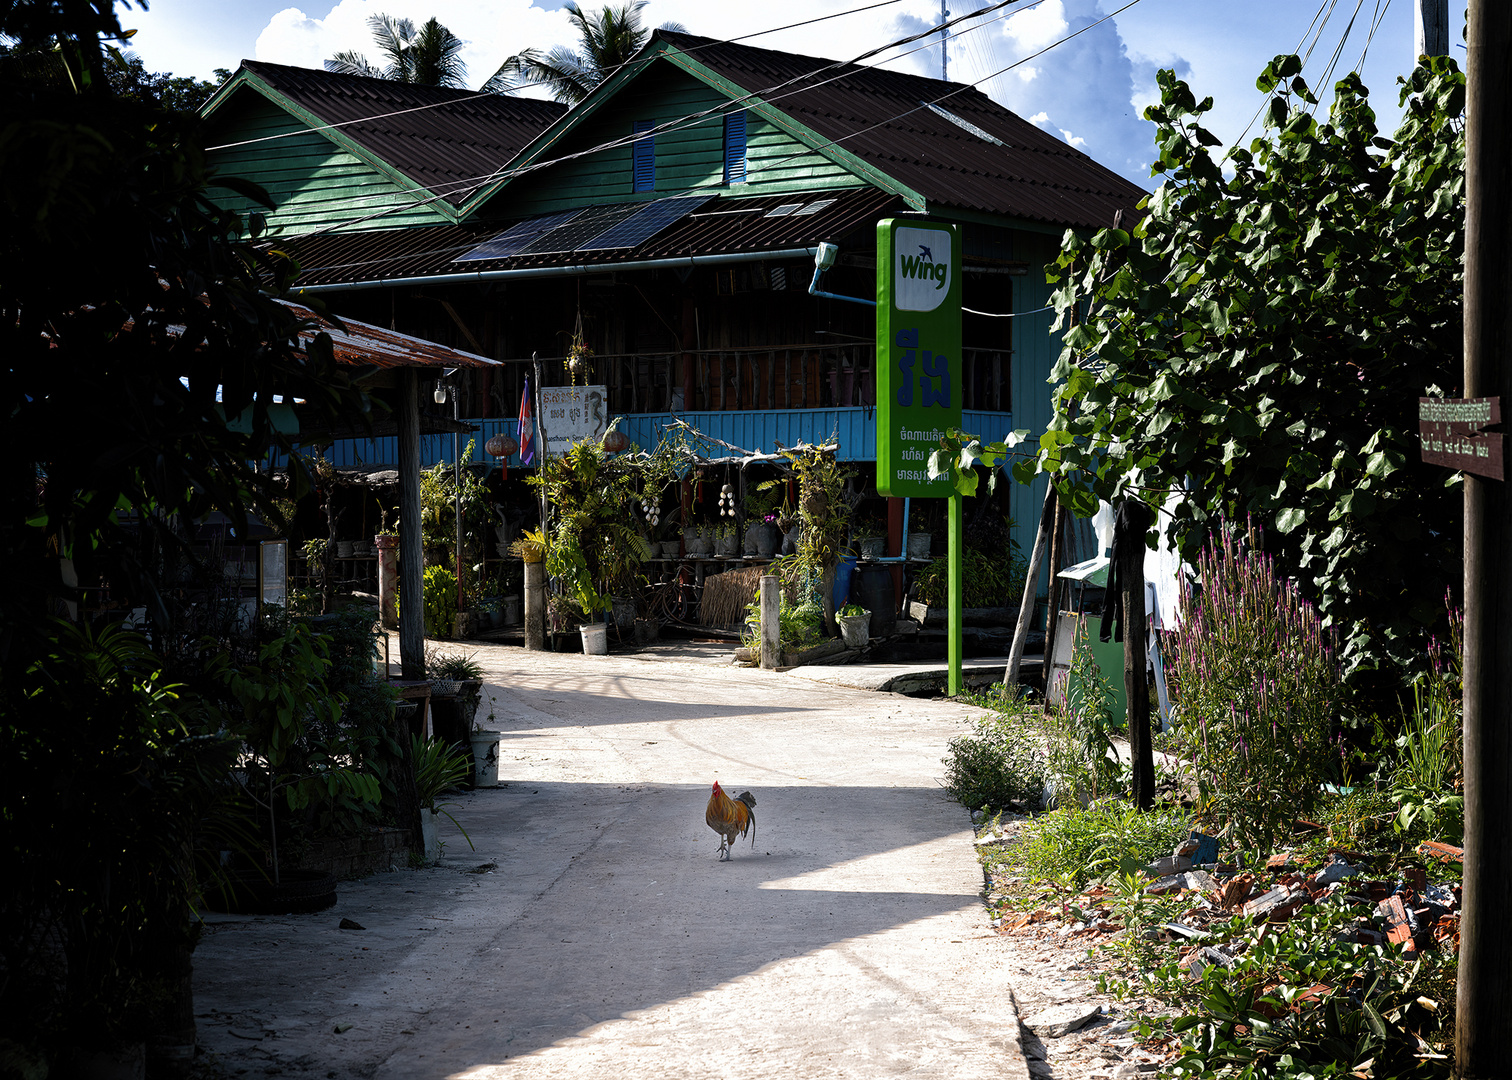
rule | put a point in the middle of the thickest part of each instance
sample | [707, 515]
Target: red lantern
[501, 446]
[615, 441]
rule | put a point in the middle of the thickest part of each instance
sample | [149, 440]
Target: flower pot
[512, 611]
[595, 638]
[872, 547]
[749, 540]
[445, 687]
[670, 549]
[485, 748]
[343, 549]
[855, 629]
[767, 541]
[790, 540]
[918, 545]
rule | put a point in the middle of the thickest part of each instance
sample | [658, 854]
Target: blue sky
[1090, 90]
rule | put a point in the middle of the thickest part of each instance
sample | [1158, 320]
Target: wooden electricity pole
[1483, 1038]
[1430, 28]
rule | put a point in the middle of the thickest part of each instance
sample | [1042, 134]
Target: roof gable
[967, 153]
[440, 142]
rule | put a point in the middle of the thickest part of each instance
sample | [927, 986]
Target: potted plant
[870, 538]
[726, 543]
[439, 767]
[456, 691]
[855, 625]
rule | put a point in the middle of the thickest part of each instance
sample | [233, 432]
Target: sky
[1090, 90]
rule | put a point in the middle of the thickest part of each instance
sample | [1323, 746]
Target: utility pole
[1430, 28]
[945, 42]
[1482, 1037]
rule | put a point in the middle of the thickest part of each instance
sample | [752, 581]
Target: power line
[528, 86]
[677, 123]
[854, 134]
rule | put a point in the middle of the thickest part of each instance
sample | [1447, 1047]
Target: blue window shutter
[735, 147]
[644, 178]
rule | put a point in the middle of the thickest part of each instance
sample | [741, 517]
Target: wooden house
[668, 222]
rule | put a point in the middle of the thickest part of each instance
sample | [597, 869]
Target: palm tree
[607, 40]
[429, 57]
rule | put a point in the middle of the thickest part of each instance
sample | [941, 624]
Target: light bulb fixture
[440, 393]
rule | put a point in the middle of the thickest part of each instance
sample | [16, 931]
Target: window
[644, 158]
[735, 147]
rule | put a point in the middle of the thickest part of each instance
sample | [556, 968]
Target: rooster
[731, 818]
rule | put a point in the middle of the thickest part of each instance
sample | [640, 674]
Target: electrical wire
[675, 124]
[528, 86]
[835, 142]
[1265, 99]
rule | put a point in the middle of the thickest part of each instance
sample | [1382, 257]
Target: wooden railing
[790, 377]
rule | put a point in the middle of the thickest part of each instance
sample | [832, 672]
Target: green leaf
[1289, 520]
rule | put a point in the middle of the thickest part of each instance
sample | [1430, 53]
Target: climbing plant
[1256, 343]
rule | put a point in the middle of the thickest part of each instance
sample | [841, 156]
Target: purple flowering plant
[1255, 681]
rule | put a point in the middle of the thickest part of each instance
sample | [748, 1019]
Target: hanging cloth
[1130, 524]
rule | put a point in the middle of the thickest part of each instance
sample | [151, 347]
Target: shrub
[1075, 844]
[440, 601]
[1257, 691]
[985, 581]
[1000, 764]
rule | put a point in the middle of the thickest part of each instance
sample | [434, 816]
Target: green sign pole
[919, 376]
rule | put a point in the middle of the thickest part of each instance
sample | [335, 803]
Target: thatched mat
[726, 595]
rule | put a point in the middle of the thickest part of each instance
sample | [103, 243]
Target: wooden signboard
[1452, 435]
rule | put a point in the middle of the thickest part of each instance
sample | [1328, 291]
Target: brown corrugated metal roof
[445, 148]
[722, 226]
[365, 345]
[878, 116]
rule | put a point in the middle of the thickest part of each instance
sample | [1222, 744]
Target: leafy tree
[609, 38]
[1256, 345]
[134, 319]
[430, 56]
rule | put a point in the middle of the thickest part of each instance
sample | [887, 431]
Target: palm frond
[435, 56]
[352, 62]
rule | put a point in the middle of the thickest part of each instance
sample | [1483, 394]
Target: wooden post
[535, 606]
[1430, 28]
[1482, 1038]
[1052, 595]
[954, 549]
[411, 553]
[771, 600]
[1031, 587]
[1131, 554]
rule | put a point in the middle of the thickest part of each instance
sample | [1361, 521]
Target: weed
[1000, 764]
[1077, 845]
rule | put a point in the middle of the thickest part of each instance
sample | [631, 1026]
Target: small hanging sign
[1450, 430]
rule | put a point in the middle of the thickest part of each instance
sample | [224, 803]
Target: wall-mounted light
[440, 393]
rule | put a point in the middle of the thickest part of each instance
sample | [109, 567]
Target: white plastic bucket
[596, 639]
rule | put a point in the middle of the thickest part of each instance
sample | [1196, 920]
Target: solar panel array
[581, 229]
[516, 238]
[650, 219]
[606, 227]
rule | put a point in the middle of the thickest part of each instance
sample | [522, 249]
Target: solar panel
[814, 207]
[782, 211]
[588, 224]
[514, 239]
[650, 219]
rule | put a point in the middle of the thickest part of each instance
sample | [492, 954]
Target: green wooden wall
[314, 183]
[1035, 352]
[688, 158]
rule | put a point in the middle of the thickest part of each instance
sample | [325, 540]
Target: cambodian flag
[527, 427]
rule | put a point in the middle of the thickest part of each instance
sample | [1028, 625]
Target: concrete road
[602, 937]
